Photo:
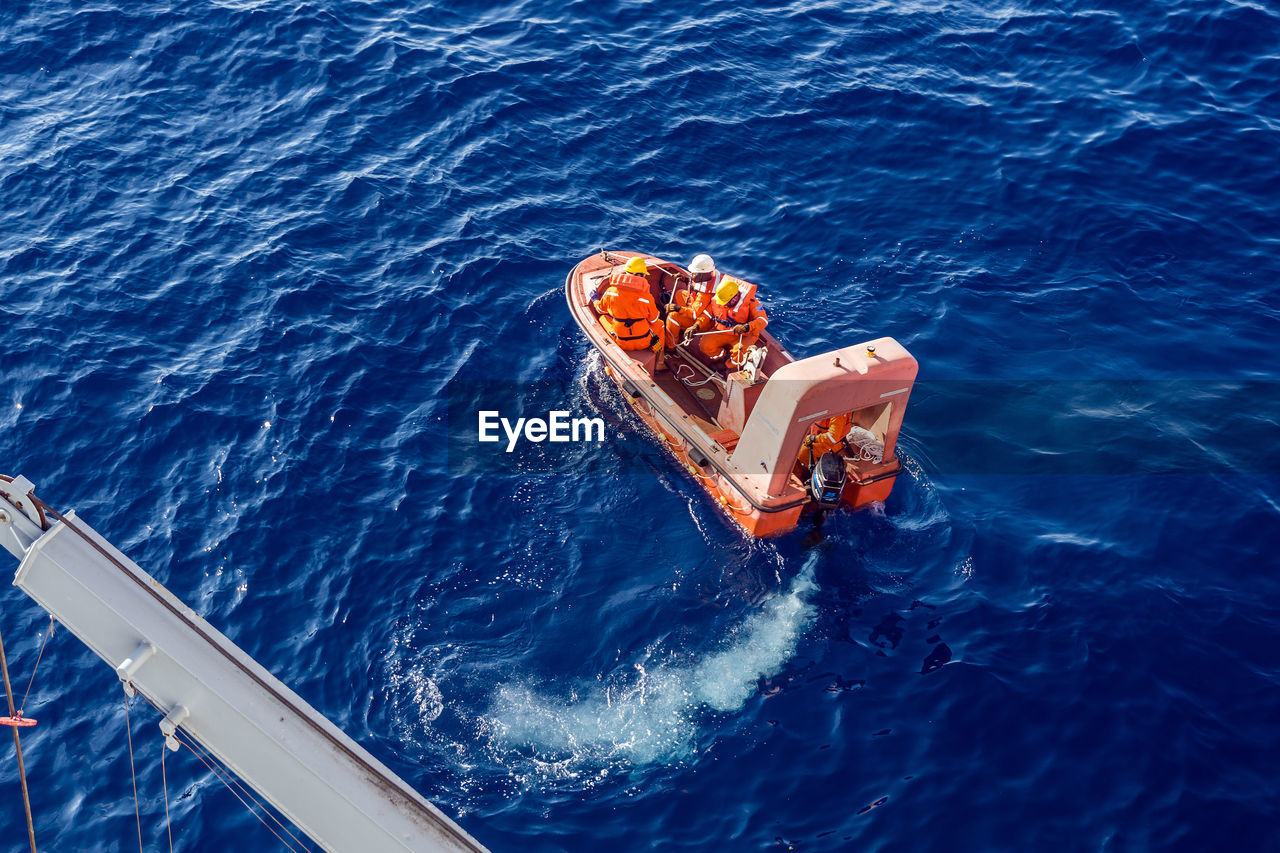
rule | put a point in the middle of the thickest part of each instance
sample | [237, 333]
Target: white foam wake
[653, 716]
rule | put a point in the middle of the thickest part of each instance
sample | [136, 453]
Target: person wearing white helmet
[687, 305]
[703, 270]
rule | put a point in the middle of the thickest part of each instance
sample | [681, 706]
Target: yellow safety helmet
[637, 266]
[727, 290]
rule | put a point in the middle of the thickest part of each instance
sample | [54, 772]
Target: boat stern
[871, 381]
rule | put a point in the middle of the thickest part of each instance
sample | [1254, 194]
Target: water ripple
[249, 251]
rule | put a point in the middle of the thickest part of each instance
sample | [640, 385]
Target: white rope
[688, 380]
[869, 448]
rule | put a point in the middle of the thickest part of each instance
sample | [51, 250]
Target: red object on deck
[17, 721]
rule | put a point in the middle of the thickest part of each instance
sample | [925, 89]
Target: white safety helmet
[701, 264]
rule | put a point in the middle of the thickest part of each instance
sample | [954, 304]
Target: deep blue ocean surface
[251, 251]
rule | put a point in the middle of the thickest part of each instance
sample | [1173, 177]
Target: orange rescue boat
[742, 433]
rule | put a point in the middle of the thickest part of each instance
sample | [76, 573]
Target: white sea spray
[653, 716]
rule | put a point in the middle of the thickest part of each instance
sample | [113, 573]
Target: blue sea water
[250, 252]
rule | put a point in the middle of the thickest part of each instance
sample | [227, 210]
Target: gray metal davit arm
[329, 786]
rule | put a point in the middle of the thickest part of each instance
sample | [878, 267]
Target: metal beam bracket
[20, 523]
[132, 664]
[169, 726]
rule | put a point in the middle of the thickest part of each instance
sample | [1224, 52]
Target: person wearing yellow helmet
[732, 321]
[627, 309]
[633, 275]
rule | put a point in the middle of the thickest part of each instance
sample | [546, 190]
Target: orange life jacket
[695, 300]
[627, 311]
[708, 286]
[624, 280]
[740, 308]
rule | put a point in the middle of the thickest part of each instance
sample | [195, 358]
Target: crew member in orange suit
[734, 319]
[627, 310]
[687, 304]
[826, 435]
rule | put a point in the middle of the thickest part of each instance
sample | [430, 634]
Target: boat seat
[648, 359]
[726, 438]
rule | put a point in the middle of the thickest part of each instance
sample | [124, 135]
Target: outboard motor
[827, 479]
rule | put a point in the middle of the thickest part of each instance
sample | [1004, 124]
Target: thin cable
[17, 746]
[231, 780]
[216, 772]
[164, 781]
[128, 730]
[47, 635]
[730, 505]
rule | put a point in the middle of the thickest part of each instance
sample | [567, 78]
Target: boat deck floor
[701, 402]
